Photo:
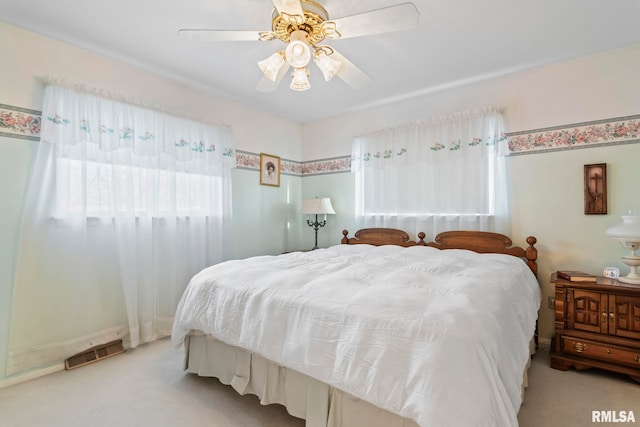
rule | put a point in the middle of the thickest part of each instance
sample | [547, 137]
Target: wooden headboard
[486, 242]
[382, 236]
[477, 241]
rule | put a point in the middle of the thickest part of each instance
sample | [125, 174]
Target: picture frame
[595, 189]
[269, 170]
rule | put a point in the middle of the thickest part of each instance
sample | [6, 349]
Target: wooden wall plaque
[595, 189]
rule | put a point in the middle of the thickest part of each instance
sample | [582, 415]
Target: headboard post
[531, 253]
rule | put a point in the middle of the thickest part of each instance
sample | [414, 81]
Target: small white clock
[611, 272]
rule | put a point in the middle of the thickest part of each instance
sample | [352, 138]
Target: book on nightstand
[576, 276]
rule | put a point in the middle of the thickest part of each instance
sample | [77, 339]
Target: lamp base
[633, 261]
[630, 280]
[316, 226]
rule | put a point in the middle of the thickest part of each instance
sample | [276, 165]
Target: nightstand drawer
[600, 351]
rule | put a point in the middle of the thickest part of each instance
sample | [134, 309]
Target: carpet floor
[147, 387]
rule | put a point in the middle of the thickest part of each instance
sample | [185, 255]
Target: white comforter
[441, 337]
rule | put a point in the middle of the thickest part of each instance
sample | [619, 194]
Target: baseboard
[101, 352]
[31, 375]
[33, 357]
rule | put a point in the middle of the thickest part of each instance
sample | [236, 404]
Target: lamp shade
[300, 80]
[327, 65]
[271, 66]
[298, 52]
[317, 206]
[627, 230]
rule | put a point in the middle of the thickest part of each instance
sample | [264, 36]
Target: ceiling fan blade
[266, 85]
[220, 35]
[290, 9]
[349, 73]
[385, 20]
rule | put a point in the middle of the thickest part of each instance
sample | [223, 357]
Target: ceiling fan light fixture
[302, 25]
[272, 65]
[300, 80]
[298, 52]
[328, 65]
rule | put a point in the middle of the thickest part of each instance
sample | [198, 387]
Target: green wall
[265, 218]
[15, 158]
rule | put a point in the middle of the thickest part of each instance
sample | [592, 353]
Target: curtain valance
[476, 133]
[75, 119]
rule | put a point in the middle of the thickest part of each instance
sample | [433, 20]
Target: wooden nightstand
[597, 326]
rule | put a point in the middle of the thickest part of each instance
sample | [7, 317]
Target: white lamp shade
[300, 80]
[627, 230]
[317, 206]
[327, 65]
[298, 52]
[272, 65]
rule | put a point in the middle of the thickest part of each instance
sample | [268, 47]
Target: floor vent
[94, 354]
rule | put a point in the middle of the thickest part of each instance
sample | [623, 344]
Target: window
[145, 172]
[101, 189]
[436, 175]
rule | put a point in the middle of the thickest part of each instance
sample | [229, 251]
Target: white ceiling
[456, 41]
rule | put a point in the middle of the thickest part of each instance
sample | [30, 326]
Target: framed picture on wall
[595, 189]
[269, 170]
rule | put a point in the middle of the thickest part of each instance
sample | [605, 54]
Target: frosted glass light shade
[300, 79]
[628, 234]
[317, 206]
[298, 52]
[271, 66]
[327, 65]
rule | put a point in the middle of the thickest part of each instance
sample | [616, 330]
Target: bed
[379, 331]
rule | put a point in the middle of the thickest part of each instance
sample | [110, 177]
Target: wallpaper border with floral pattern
[598, 133]
[251, 161]
[23, 123]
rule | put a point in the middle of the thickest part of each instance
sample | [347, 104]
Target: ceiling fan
[303, 25]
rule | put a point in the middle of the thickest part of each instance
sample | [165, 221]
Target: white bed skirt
[304, 397]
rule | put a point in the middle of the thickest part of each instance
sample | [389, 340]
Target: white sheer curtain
[124, 205]
[442, 174]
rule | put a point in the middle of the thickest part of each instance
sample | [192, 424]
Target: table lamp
[317, 207]
[628, 234]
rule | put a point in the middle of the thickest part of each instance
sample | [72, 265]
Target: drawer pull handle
[637, 358]
[579, 347]
[609, 351]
